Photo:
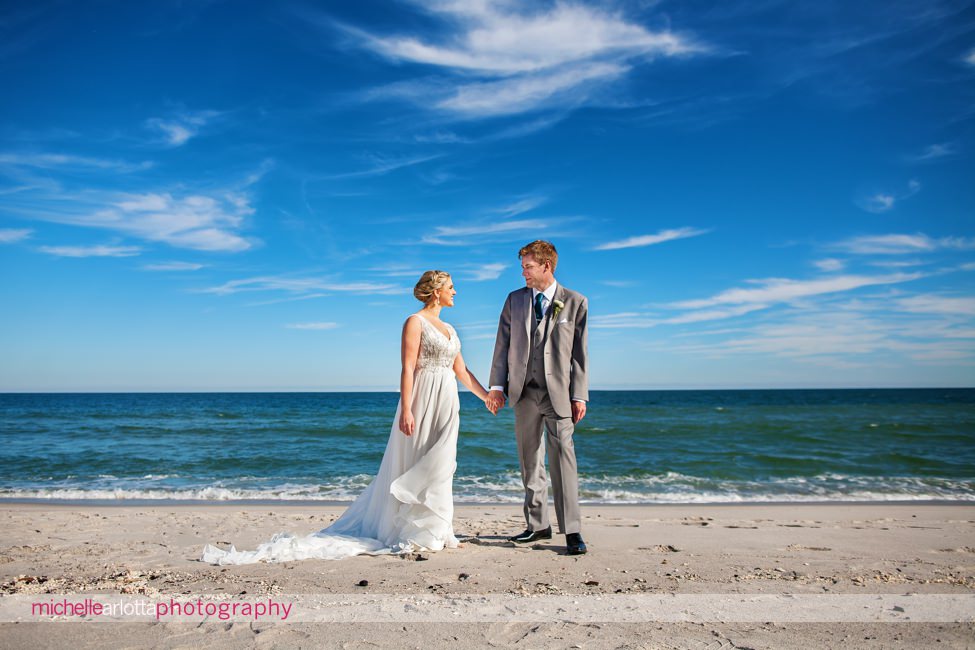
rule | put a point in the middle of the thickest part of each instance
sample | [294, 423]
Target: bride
[409, 505]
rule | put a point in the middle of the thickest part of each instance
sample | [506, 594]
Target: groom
[541, 363]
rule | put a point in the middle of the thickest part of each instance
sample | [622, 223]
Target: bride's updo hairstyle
[428, 283]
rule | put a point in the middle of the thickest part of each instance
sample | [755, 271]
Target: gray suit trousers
[538, 427]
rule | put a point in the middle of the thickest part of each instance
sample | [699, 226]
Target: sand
[656, 576]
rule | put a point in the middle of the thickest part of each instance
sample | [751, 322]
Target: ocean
[707, 446]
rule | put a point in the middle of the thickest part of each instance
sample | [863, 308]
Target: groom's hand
[578, 411]
[495, 401]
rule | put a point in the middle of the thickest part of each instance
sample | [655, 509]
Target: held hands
[406, 422]
[494, 401]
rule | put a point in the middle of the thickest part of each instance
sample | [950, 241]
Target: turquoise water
[634, 446]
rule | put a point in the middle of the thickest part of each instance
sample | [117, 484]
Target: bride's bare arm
[467, 378]
[409, 353]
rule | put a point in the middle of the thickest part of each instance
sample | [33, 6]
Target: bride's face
[445, 294]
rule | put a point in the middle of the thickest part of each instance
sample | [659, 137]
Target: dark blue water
[634, 446]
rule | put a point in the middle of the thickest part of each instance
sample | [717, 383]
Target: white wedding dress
[409, 505]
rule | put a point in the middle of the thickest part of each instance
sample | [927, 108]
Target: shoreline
[394, 390]
[298, 503]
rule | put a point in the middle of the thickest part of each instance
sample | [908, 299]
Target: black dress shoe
[532, 536]
[574, 544]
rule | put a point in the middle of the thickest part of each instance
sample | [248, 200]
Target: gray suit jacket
[566, 348]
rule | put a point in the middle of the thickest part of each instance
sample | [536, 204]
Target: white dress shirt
[548, 296]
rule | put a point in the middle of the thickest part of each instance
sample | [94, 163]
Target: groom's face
[537, 276]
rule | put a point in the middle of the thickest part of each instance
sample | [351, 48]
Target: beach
[705, 556]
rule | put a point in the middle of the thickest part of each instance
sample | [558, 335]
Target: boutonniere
[557, 306]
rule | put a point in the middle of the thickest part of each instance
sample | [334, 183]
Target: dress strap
[424, 325]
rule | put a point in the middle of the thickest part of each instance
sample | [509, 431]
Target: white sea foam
[670, 487]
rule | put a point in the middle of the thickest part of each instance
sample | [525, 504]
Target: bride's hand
[489, 405]
[406, 423]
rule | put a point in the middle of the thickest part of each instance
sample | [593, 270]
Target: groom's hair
[543, 251]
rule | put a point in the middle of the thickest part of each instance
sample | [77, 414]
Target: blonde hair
[430, 282]
[542, 251]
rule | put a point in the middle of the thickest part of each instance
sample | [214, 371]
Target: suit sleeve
[579, 370]
[499, 365]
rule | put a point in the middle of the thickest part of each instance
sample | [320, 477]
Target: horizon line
[365, 389]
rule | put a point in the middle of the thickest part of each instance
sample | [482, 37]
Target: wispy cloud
[520, 206]
[777, 290]
[14, 235]
[298, 286]
[486, 272]
[527, 127]
[880, 202]
[531, 91]
[394, 271]
[877, 202]
[454, 235]
[649, 240]
[933, 152]
[850, 338]
[829, 264]
[624, 320]
[381, 164]
[845, 60]
[637, 320]
[53, 161]
[489, 228]
[278, 301]
[970, 57]
[179, 129]
[897, 264]
[814, 325]
[91, 251]
[173, 266]
[312, 326]
[472, 273]
[495, 39]
[705, 315]
[194, 221]
[898, 244]
[441, 137]
[526, 57]
[17, 188]
[828, 335]
[937, 304]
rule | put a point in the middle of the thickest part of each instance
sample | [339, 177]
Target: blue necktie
[539, 314]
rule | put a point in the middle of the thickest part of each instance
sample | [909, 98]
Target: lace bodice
[436, 350]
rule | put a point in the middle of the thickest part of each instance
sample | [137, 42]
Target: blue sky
[240, 196]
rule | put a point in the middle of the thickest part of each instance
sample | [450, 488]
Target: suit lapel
[527, 316]
[559, 295]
